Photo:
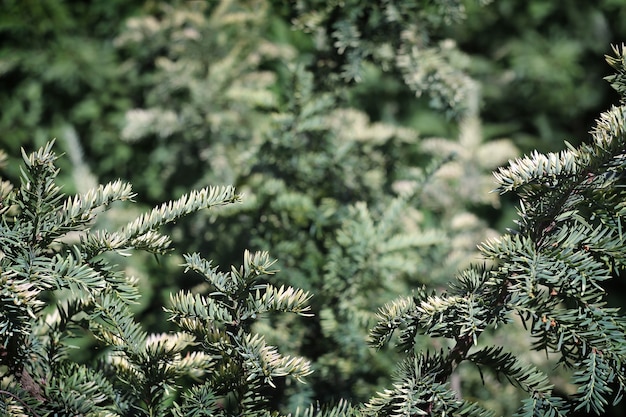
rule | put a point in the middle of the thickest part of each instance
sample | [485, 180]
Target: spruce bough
[57, 282]
[548, 274]
[56, 287]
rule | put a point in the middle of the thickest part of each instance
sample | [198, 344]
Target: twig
[10, 394]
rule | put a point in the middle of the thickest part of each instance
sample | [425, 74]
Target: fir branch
[540, 405]
[115, 325]
[141, 233]
[76, 389]
[219, 281]
[286, 299]
[199, 401]
[80, 209]
[594, 379]
[138, 371]
[208, 197]
[31, 412]
[264, 362]
[551, 168]
[74, 275]
[38, 196]
[618, 62]
[196, 313]
[417, 392]
[342, 409]
[391, 316]
[525, 376]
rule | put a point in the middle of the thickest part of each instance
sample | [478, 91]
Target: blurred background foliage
[362, 134]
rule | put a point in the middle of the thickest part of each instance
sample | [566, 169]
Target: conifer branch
[141, 233]
[550, 273]
[18, 399]
[80, 209]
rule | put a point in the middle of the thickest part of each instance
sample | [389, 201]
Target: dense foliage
[58, 284]
[362, 136]
[56, 287]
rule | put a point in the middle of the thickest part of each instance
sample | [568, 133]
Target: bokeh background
[362, 134]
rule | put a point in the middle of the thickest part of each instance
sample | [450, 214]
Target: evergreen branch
[70, 273]
[208, 197]
[195, 364]
[31, 412]
[437, 312]
[141, 233]
[479, 301]
[263, 361]
[145, 368]
[151, 370]
[114, 324]
[576, 332]
[577, 275]
[219, 281]
[418, 392]
[594, 378]
[78, 390]
[539, 169]
[618, 62]
[193, 312]
[94, 243]
[119, 284]
[527, 377]
[151, 241]
[255, 265]
[79, 210]
[391, 316]
[163, 345]
[541, 405]
[287, 299]
[199, 401]
[548, 198]
[38, 196]
[19, 307]
[554, 233]
[342, 409]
